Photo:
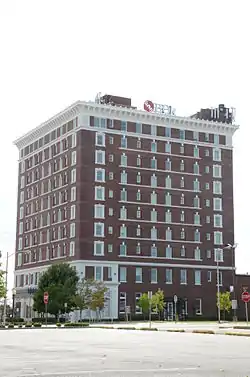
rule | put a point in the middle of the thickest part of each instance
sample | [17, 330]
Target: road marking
[89, 372]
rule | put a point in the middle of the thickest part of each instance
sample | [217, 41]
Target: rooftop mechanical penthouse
[142, 200]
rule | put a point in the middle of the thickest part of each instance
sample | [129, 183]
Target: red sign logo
[149, 106]
[45, 297]
[245, 296]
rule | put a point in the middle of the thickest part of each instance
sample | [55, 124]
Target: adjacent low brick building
[140, 200]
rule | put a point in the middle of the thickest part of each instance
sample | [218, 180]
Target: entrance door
[170, 311]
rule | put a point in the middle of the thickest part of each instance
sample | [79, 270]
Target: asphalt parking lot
[116, 353]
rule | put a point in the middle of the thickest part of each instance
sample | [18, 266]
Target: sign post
[46, 300]
[150, 306]
[245, 296]
[175, 307]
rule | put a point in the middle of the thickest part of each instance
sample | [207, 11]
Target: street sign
[234, 304]
[175, 299]
[245, 296]
[45, 298]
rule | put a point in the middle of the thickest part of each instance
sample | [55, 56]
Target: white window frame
[99, 211]
[73, 194]
[97, 171]
[73, 175]
[139, 275]
[100, 153]
[103, 139]
[72, 248]
[97, 245]
[123, 274]
[96, 225]
[198, 311]
[215, 150]
[183, 281]
[220, 221]
[217, 184]
[216, 233]
[217, 171]
[72, 230]
[98, 269]
[72, 212]
[215, 201]
[102, 191]
[154, 281]
[73, 158]
[197, 273]
[171, 276]
[218, 255]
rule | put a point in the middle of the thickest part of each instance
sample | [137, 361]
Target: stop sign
[245, 296]
[45, 297]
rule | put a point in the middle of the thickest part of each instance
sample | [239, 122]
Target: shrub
[28, 325]
[176, 330]
[51, 320]
[20, 326]
[148, 329]
[126, 328]
[76, 324]
[58, 324]
[103, 327]
[237, 333]
[203, 332]
[37, 324]
[11, 326]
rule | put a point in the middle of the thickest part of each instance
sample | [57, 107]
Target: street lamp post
[6, 279]
[13, 301]
[232, 248]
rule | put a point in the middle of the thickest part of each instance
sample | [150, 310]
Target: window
[168, 148]
[124, 177]
[110, 248]
[153, 146]
[153, 233]
[208, 236]
[123, 231]
[100, 140]
[99, 193]
[99, 211]
[138, 178]
[216, 139]
[123, 195]
[206, 152]
[138, 248]
[111, 140]
[111, 176]
[153, 275]
[168, 234]
[138, 128]
[123, 142]
[123, 274]
[138, 275]
[183, 252]
[73, 158]
[168, 217]
[207, 202]
[182, 149]
[168, 182]
[99, 157]
[169, 276]
[153, 163]
[209, 276]
[216, 171]
[138, 144]
[72, 212]
[98, 229]
[182, 182]
[197, 253]
[209, 254]
[111, 211]
[153, 198]
[182, 200]
[207, 169]
[20, 244]
[110, 230]
[169, 252]
[182, 216]
[21, 197]
[196, 218]
[217, 204]
[99, 175]
[21, 227]
[153, 215]
[123, 160]
[72, 230]
[153, 130]
[138, 213]
[111, 194]
[182, 134]
[167, 132]
[197, 235]
[196, 168]
[138, 231]
[138, 195]
[138, 160]
[111, 158]
[153, 181]
[98, 273]
[208, 219]
[206, 137]
[182, 234]
[217, 187]
[218, 255]
[196, 151]
[73, 175]
[198, 306]
[183, 276]
[168, 199]
[196, 135]
[22, 181]
[138, 309]
[123, 125]
[122, 302]
[218, 238]
[153, 251]
[168, 164]
[218, 221]
[196, 202]
[207, 186]
[98, 248]
[123, 213]
[123, 249]
[196, 185]
[216, 154]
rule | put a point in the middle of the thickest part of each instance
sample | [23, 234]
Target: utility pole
[218, 290]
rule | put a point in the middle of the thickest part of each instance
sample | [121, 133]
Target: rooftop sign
[152, 107]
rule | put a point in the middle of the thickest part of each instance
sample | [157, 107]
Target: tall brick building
[142, 200]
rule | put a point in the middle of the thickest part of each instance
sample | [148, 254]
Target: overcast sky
[189, 54]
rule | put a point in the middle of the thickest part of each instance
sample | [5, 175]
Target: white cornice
[116, 112]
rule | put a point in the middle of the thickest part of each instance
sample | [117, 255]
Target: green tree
[225, 302]
[144, 304]
[2, 284]
[98, 297]
[60, 281]
[83, 296]
[158, 303]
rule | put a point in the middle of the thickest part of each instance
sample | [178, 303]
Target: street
[117, 353]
